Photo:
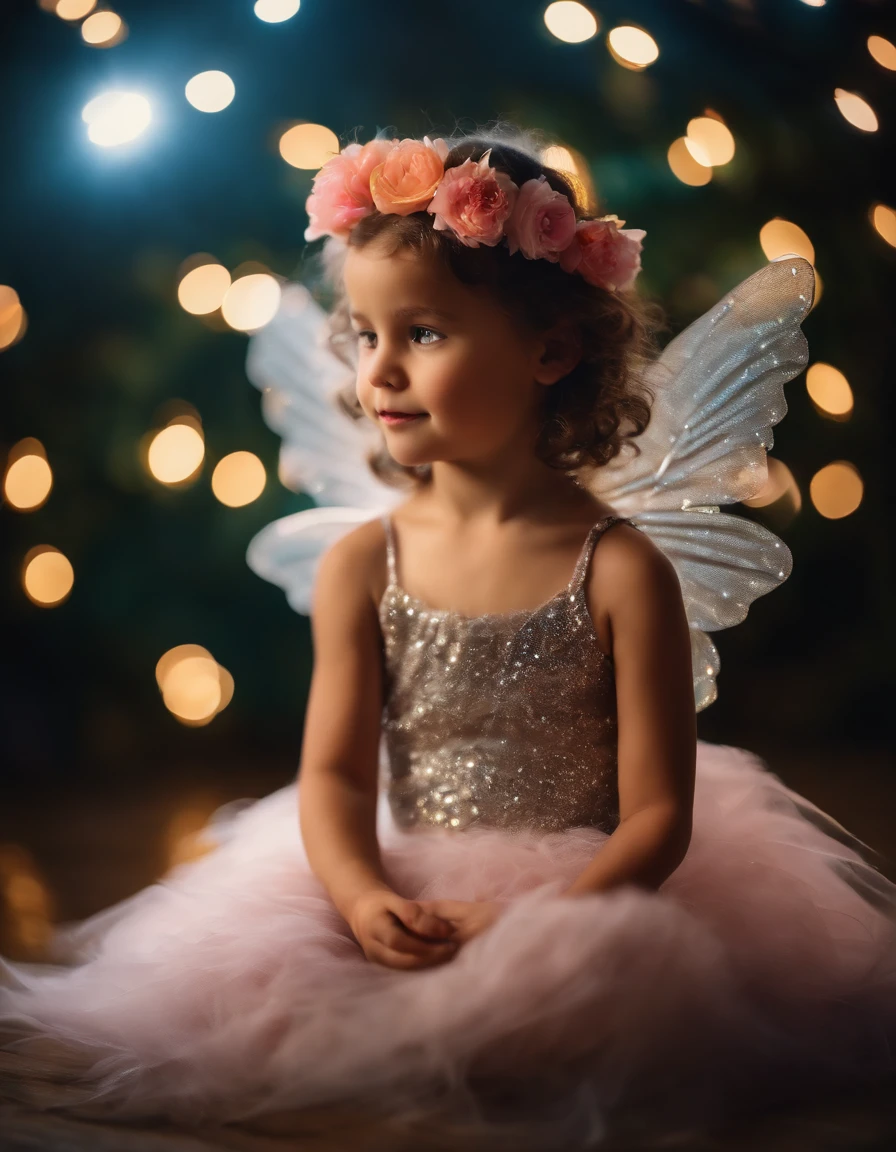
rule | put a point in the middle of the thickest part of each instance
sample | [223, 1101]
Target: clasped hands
[408, 934]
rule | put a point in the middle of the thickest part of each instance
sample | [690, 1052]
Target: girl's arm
[636, 586]
[338, 776]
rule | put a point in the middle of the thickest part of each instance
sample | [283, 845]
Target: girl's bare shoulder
[363, 550]
[627, 567]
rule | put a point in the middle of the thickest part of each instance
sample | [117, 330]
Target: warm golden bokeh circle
[203, 289]
[238, 479]
[829, 389]
[570, 21]
[836, 490]
[308, 146]
[194, 687]
[28, 482]
[175, 453]
[47, 576]
[251, 302]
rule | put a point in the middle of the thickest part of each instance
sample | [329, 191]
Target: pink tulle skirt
[233, 988]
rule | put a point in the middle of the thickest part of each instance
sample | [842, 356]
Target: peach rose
[474, 200]
[407, 179]
[543, 222]
[604, 253]
[340, 193]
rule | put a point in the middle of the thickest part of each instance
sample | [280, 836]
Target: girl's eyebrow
[413, 310]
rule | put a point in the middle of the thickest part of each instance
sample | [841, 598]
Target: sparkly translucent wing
[719, 388]
[323, 451]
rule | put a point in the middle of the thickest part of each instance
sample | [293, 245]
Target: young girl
[510, 880]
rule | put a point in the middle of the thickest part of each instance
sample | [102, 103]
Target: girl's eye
[414, 328]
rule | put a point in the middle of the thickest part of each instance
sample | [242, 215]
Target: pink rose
[543, 222]
[474, 200]
[340, 193]
[605, 254]
[407, 179]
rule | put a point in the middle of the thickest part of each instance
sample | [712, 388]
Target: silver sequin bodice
[503, 719]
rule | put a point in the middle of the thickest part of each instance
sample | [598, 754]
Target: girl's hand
[400, 933]
[468, 917]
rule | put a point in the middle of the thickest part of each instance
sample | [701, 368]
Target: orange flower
[407, 179]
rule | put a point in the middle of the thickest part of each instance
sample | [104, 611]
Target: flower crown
[478, 203]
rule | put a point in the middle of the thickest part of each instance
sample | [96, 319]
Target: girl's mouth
[397, 418]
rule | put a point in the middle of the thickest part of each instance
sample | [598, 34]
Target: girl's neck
[460, 494]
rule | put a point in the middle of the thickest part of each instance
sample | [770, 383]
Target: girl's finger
[428, 924]
[405, 960]
[449, 909]
[397, 938]
[414, 919]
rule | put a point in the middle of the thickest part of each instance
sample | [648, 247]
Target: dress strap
[390, 549]
[594, 534]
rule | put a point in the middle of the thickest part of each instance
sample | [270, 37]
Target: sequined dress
[505, 719]
[764, 966]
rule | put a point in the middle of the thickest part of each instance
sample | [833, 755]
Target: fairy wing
[719, 391]
[323, 452]
[719, 388]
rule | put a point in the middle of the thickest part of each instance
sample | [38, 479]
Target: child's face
[471, 373]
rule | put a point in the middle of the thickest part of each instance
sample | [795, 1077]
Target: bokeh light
[819, 290]
[203, 288]
[779, 237]
[210, 91]
[570, 22]
[276, 11]
[883, 52]
[29, 478]
[559, 157]
[780, 489]
[684, 166]
[632, 47]
[225, 680]
[116, 117]
[575, 167]
[192, 690]
[829, 390]
[174, 655]
[238, 479]
[194, 687]
[13, 320]
[47, 576]
[883, 220]
[836, 490]
[251, 302]
[855, 110]
[104, 29]
[29, 903]
[709, 141]
[176, 453]
[74, 9]
[308, 145]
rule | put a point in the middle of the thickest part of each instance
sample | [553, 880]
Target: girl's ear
[562, 351]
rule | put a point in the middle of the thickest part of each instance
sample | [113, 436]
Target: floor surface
[64, 857]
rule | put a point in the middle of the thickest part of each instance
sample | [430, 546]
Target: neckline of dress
[514, 613]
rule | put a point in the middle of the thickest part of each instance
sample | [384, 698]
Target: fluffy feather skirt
[233, 988]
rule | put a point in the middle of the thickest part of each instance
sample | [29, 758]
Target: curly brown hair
[590, 413]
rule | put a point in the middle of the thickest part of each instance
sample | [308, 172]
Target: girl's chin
[409, 460]
[405, 454]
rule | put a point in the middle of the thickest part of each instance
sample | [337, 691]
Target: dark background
[92, 240]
